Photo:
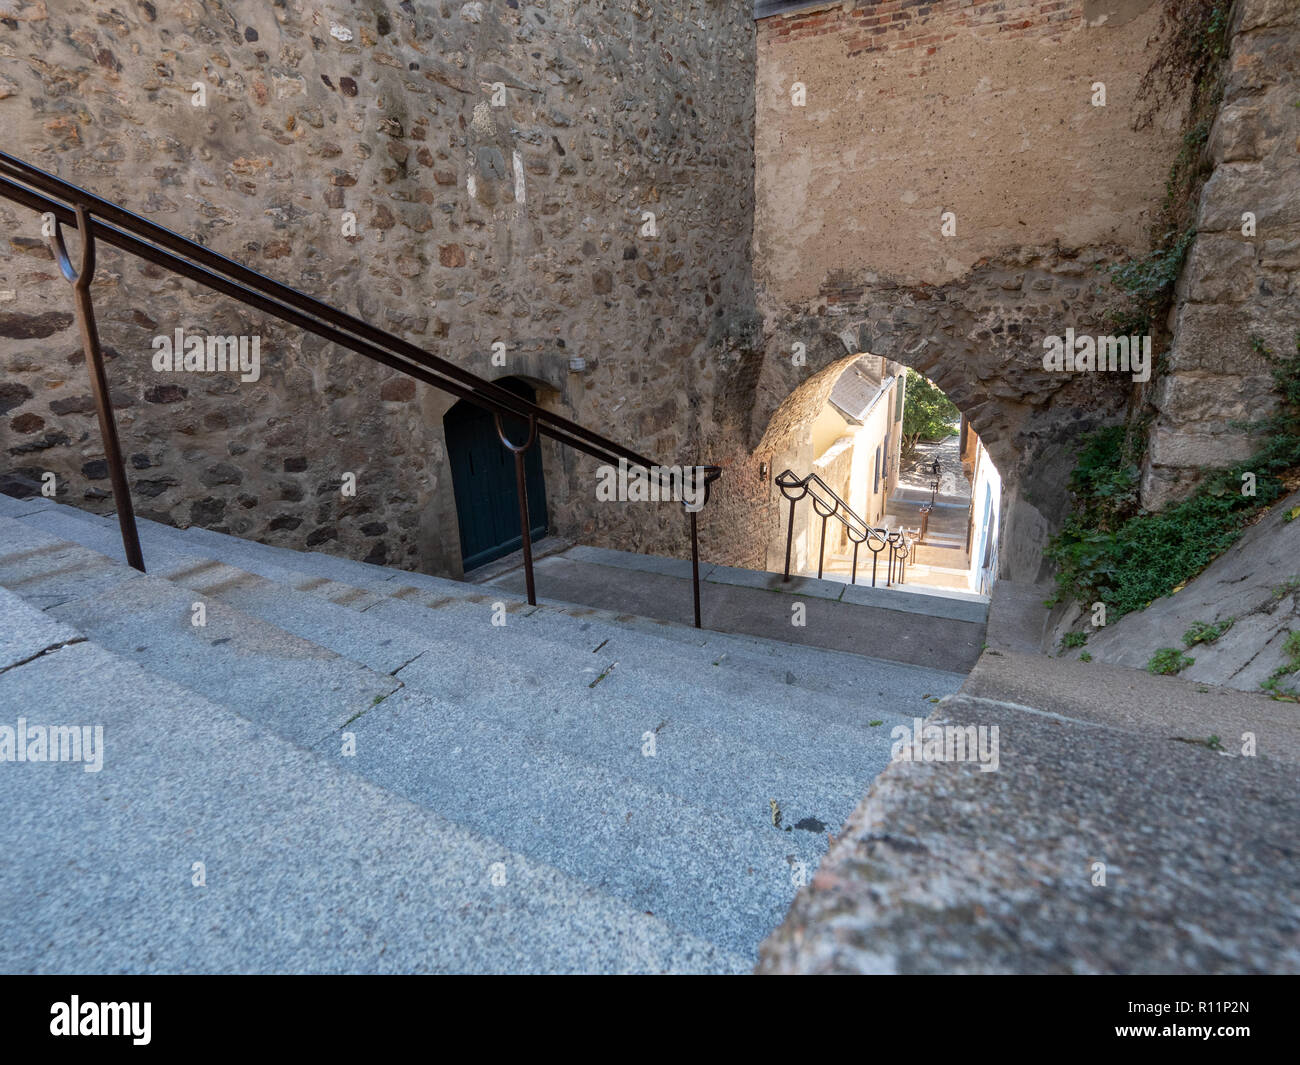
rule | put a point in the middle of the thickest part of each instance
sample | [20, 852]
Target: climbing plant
[1190, 46]
[1111, 551]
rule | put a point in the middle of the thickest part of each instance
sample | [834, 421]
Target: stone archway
[789, 443]
[980, 340]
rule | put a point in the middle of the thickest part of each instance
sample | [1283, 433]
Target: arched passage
[483, 480]
[980, 341]
[845, 426]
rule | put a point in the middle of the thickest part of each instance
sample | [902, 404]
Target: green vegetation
[1193, 45]
[1111, 551]
[1085, 657]
[1292, 665]
[1169, 660]
[1204, 632]
[1214, 743]
[1148, 283]
[927, 414]
[1288, 586]
[1071, 640]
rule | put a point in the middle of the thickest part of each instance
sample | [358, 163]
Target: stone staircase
[945, 539]
[375, 776]
[940, 552]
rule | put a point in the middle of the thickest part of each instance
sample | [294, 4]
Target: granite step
[307, 868]
[298, 687]
[705, 761]
[812, 669]
[560, 784]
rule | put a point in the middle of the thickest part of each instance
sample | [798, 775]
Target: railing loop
[518, 449]
[827, 504]
[82, 278]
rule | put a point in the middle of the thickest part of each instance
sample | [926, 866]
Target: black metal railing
[827, 504]
[99, 219]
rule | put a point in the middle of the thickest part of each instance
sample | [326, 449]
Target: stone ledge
[947, 869]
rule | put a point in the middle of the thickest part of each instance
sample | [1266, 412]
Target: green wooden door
[483, 479]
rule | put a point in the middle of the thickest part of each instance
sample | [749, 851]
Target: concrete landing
[941, 631]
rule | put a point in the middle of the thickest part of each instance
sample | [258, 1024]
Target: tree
[927, 414]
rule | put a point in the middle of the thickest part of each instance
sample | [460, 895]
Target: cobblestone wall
[464, 174]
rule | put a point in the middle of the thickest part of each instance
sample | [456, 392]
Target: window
[898, 398]
[876, 489]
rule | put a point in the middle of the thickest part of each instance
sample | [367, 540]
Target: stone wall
[523, 223]
[992, 119]
[985, 111]
[1237, 286]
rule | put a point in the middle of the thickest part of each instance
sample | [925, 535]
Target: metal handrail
[96, 218]
[829, 505]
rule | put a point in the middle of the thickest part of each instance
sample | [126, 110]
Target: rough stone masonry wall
[476, 224]
[1236, 286]
[984, 110]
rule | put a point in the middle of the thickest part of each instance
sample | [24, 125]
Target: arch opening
[871, 430]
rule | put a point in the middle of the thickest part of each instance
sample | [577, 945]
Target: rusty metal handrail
[99, 219]
[829, 505]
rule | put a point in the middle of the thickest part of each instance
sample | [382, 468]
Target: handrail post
[856, 545]
[789, 541]
[85, 307]
[821, 551]
[703, 476]
[695, 567]
[521, 490]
